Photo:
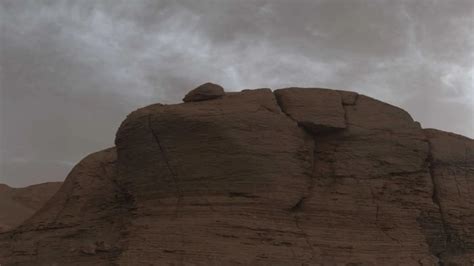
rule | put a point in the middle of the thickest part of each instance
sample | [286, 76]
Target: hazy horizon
[71, 71]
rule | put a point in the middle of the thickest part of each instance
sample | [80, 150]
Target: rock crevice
[436, 201]
[299, 204]
[166, 160]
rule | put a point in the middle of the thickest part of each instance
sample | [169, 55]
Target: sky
[70, 71]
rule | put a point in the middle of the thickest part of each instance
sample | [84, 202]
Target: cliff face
[291, 177]
[18, 204]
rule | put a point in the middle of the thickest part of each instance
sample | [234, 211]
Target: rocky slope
[17, 204]
[291, 177]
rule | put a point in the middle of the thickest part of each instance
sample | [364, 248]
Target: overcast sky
[70, 71]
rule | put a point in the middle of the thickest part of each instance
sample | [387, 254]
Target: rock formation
[18, 204]
[292, 177]
[206, 91]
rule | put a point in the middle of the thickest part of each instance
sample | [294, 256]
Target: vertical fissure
[436, 200]
[300, 203]
[166, 160]
[174, 177]
[305, 236]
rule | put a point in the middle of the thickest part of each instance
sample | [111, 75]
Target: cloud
[70, 71]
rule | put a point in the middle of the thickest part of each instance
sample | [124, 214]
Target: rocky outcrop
[294, 177]
[18, 204]
[80, 225]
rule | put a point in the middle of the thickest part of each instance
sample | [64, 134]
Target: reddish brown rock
[370, 183]
[18, 204]
[206, 91]
[237, 180]
[348, 97]
[317, 110]
[452, 170]
[218, 167]
[89, 208]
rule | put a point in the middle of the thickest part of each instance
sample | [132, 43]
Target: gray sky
[70, 71]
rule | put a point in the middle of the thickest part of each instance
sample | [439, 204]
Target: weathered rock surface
[80, 225]
[295, 177]
[314, 109]
[452, 169]
[206, 91]
[18, 204]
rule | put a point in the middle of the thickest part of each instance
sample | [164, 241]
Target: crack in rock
[299, 205]
[305, 236]
[436, 201]
[173, 174]
[179, 194]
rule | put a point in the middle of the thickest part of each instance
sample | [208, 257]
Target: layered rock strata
[293, 177]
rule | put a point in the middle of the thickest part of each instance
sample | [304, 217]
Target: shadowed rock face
[18, 204]
[294, 177]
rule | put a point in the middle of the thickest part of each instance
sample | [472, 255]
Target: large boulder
[206, 91]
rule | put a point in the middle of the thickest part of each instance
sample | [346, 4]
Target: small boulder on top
[206, 91]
